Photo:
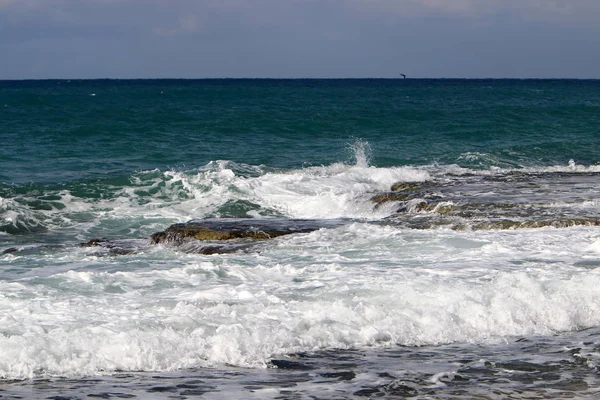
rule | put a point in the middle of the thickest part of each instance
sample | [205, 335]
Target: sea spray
[361, 152]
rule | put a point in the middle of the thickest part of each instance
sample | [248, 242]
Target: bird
[403, 76]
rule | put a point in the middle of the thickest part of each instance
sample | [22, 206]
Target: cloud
[280, 38]
[551, 10]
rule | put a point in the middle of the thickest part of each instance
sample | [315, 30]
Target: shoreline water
[519, 368]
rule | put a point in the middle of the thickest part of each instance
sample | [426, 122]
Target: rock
[503, 224]
[388, 197]
[289, 364]
[239, 228]
[213, 236]
[405, 186]
[95, 243]
[10, 250]
[217, 247]
[117, 247]
[423, 206]
[340, 375]
[406, 192]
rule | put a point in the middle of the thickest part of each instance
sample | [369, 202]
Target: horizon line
[290, 78]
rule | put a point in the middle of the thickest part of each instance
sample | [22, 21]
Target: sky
[74, 39]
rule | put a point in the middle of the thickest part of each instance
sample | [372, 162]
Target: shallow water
[559, 366]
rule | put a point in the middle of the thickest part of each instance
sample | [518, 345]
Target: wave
[146, 200]
[309, 292]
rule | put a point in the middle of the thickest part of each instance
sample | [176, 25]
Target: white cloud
[306, 37]
[526, 9]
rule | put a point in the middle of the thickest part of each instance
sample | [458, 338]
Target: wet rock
[116, 247]
[162, 389]
[399, 191]
[289, 364]
[405, 186]
[423, 206]
[415, 206]
[400, 389]
[10, 250]
[388, 197]
[572, 385]
[506, 224]
[209, 248]
[368, 392]
[95, 242]
[35, 249]
[230, 229]
[341, 376]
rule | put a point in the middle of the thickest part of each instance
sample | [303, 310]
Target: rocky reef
[219, 229]
[467, 202]
[514, 200]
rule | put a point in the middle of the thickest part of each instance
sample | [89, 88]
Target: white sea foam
[71, 311]
[455, 169]
[334, 191]
[354, 286]
[155, 199]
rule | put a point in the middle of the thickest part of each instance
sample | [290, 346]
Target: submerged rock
[406, 186]
[212, 236]
[506, 224]
[399, 191]
[412, 197]
[9, 250]
[383, 198]
[246, 228]
[118, 247]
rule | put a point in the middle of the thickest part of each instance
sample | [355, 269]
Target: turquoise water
[462, 259]
[57, 131]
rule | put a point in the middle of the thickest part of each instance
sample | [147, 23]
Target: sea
[457, 253]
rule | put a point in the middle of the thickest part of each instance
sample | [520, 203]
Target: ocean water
[459, 256]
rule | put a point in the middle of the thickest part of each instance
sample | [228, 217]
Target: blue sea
[455, 252]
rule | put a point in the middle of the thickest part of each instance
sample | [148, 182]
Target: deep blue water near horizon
[49, 127]
[476, 275]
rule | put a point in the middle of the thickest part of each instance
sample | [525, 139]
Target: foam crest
[17, 218]
[354, 286]
[453, 169]
[337, 190]
[149, 200]
[231, 326]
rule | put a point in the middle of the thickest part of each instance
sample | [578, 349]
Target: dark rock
[289, 364]
[423, 206]
[60, 398]
[407, 186]
[216, 248]
[229, 229]
[342, 375]
[369, 392]
[393, 389]
[95, 242]
[10, 250]
[117, 247]
[401, 390]
[459, 378]
[511, 224]
[162, 389]
[388, 197]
